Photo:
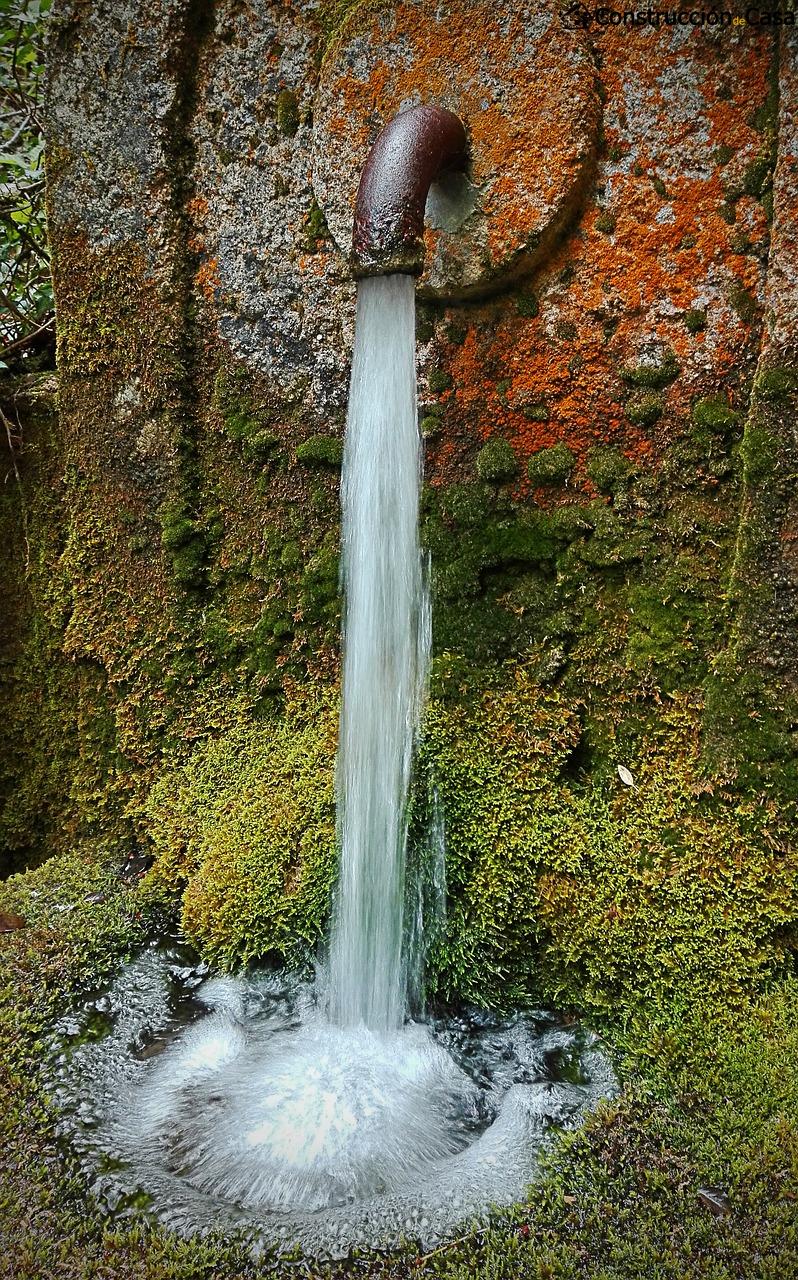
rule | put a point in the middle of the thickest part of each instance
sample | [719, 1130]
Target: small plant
[644, 411]
[776, 384]
[714, 414]
[654, 374]
[315, 229]
[695, 320]
[537, 412]
[526, 304]
[743, 303]
[440, 380]
[287, 113]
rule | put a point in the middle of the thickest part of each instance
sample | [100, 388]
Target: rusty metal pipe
[412, 150]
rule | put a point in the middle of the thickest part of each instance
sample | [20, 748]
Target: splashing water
[386, 657]
[233, 1103]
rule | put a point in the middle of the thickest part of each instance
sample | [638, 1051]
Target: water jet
[386, 639]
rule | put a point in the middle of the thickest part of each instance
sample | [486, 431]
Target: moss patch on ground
[709, 1107]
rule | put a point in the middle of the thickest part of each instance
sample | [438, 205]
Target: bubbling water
[235, 1103]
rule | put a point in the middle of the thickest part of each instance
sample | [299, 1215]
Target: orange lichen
[207, 278]
[441, 61]
[611, 299]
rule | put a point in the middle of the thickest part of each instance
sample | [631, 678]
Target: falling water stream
[386, 657]
[315, 1113]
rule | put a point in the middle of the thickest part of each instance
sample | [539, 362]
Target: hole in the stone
[451, 200]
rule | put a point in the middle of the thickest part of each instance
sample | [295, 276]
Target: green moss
[486, 749]
[248, 827]
[331, 16]
[456, 333]
[430, 426]
[654, 375]
[695, 320]
[624, 895]
[715, 415]
[765, 118]
[565, 330]
[496, 462]
[440, 381]
[321, 451]
[722, 155]
[759, 452]
[757, 175]
[551, 466]
[465, 505]
[242, 418]
[315, 229]
[287, 112]
[184, 539]
[644, 411]
[776, 384]
[671, 627]
[607, 468]
[749, 714]
[606, 222]
[425, 324]
[659, 187]
[537, 412]
[743, 303]
[728, 212]
[318, 595]
[527, 304]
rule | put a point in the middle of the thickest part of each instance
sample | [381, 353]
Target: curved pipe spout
[412, 150]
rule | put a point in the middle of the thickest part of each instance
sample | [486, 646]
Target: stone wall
[607, 414]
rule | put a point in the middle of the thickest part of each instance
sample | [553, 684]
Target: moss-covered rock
[247, 830]
[647, 898]
[496, 462]
[321, 451]
[709, 1101]
[552, 465]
